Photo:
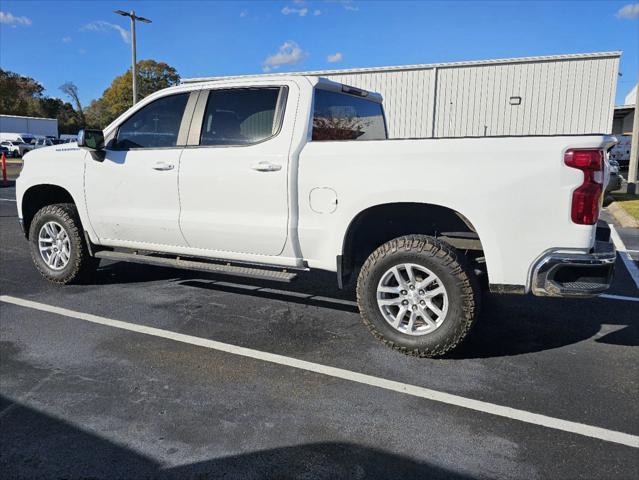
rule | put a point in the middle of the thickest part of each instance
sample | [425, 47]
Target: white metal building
[35, 126]
[624, 114]
[551, 95]
[623, 119]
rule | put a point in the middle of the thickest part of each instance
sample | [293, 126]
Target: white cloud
[66, 39]
[335, 57]
[317, 12]
[349, 5]
[295, 11]
[102, 26]
[9, 19]
[244, 13]
[289, 53]
[630, 11]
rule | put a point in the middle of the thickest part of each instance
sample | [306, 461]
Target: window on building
[338, 116]
[240, 116]
[154, 126]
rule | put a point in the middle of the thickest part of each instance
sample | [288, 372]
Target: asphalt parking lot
[154, 372]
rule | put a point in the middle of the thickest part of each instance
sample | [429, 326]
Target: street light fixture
[134, 71]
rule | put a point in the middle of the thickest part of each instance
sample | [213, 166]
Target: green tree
[68, 119]
[152, 76]
[19, 95]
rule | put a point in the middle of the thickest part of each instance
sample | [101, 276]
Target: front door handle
[266, 167]
[163, 166]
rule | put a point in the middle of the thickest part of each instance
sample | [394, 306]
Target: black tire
[457, 277]
[81, 265]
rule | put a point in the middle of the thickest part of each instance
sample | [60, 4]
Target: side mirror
[92, 140]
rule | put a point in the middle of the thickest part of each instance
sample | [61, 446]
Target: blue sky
[84, 42]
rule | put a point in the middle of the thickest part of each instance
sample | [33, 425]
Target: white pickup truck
[265, 178]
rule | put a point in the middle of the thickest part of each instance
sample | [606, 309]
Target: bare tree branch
[70, 89]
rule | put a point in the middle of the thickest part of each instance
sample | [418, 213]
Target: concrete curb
[624, 218]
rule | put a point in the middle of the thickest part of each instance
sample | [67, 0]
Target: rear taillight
[586, 198]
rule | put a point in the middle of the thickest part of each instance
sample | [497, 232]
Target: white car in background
[43, 142]
[621, 151]
[16, 148]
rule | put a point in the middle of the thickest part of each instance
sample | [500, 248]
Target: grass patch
[630, 203]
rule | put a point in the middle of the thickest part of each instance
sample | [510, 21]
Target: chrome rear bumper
[574, 274]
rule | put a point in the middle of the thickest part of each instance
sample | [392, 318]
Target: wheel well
[379, 224]
[40, 196]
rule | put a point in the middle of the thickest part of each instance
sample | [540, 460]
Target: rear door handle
[266, 167]
[163, 166]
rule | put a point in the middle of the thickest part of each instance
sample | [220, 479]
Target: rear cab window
[342, 116]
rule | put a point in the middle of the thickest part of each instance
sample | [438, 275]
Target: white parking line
[616, 239]
[6, 200]
[619, 297]
[414, 390]
[625, 256]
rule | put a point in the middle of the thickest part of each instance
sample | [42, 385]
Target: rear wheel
[58, 248]
[418, 296]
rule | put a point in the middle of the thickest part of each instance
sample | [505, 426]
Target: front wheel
[58, 248]
[418, 296]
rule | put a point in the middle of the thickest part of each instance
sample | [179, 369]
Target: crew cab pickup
[266, 178]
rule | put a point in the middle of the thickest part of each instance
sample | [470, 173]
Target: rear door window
[241, 116]
[339, 116]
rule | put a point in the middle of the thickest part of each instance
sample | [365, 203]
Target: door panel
[132, 196]
[234, 190]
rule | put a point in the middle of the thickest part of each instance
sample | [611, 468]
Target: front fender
[60, 166]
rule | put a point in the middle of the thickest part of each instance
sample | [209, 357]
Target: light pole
[134, 71]
[633, 179]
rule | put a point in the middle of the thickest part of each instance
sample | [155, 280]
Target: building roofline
[25, 116]
[424, 66]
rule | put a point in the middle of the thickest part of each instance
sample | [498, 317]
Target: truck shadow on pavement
[508, 324]
[519, 325]
[36, 445]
